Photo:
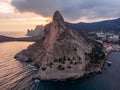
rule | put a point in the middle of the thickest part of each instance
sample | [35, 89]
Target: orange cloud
[13, 20]
[21, 21]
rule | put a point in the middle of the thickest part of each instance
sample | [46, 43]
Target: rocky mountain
[63, 53]
[108, 25]
[37, 31]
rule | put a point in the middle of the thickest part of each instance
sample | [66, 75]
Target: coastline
[99, 68]
[90, 69]
[95, 70]
[26, 39]
[107, 52]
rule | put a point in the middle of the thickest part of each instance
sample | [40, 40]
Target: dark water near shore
[15, 75]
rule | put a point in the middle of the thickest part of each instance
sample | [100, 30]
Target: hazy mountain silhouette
[107, 25]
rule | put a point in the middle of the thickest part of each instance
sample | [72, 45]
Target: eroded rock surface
[63, 53]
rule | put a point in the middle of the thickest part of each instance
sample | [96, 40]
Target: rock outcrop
[37, 31]
[63, 53]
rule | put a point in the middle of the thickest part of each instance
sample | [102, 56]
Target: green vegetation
[96, 55]
[43, 68]
[60, 67]
[75, 49]
[68, 66]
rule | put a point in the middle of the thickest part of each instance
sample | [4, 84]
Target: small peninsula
[63, 53]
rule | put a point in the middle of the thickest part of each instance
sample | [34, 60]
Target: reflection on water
[15, 75]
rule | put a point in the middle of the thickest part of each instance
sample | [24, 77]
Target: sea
[16, 75]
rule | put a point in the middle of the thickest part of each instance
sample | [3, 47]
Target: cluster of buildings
[109, 36]
[111, 47]
[107, 39]
[110, 41]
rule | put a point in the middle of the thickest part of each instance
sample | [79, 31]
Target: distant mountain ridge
[107, 25]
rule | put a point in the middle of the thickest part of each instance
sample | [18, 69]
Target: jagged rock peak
[57, 17]
[63, 53]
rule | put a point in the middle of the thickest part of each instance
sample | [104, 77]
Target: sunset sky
[14, 21]
[19, 15]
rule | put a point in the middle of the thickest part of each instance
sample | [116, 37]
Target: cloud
[72, 9]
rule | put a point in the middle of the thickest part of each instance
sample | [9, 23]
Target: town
[109, 40]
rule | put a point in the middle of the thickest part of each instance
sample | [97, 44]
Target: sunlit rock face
[63, 53]
[37, 31]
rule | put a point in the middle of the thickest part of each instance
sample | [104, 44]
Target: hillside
[108, 25]
[63, 53]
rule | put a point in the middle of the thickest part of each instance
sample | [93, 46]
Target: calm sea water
[13, 34]
[15, 75]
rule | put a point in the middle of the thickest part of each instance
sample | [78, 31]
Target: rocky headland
[37, 31]
[63, 53]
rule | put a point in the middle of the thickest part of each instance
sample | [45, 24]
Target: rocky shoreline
[115, 48]
[93, 70]
[90, 70]
[63, 53]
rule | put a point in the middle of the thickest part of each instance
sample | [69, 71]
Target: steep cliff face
[62, 53]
